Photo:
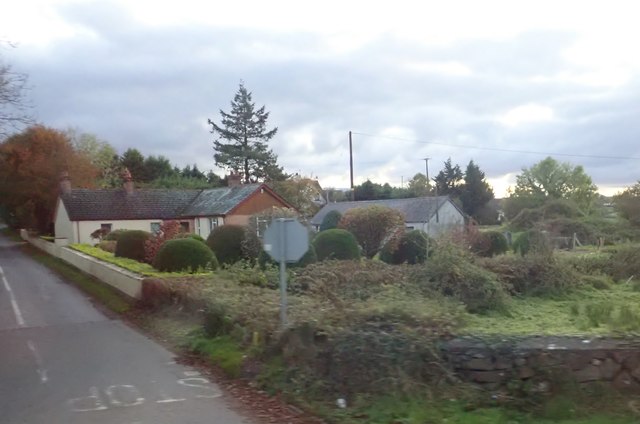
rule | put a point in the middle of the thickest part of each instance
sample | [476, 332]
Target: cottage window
[184, 226]
[106, 228]
[213, 223]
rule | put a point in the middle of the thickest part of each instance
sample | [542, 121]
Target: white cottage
[80, 212]
[433, 215]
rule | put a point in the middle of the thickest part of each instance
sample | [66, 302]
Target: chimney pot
[127, 181]
[234, 179]
[65, 183]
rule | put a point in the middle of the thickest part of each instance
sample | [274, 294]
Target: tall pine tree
[475, 192]
[242, 143]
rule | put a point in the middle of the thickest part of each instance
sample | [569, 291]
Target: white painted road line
[14, 303]
[41, 371]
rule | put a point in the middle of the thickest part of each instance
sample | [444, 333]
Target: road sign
[286, 239]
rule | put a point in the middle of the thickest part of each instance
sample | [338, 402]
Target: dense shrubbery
[184, 254]
[131, 244]
[535, 275]
[258, 223]
[330, 220]
[625, 262]
[451, 272]
[346, 282]
[489, 243]
[336, 244]
[308, 258]
[411, 249]
[532, 241]
[226, 242]
[168, 231]
[372, 226]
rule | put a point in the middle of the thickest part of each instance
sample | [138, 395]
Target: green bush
[226, 242]
[336, 244]
[489, 243]
[330, 220]
[107, 245]
[114, 235]
[411, 249]
[131, 244]
[193, 236]
[184, 254]
[625, 262]
[308, 258]
[532, 241]
[452, 273]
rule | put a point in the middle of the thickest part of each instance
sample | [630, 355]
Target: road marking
[41, 371]
[192, 373]
[14, 303]
[89, 403]
[124, 389]
[189, 382]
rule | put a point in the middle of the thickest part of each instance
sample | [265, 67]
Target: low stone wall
[125, 281]
[543, 360]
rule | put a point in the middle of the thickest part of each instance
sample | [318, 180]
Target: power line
[497, 149]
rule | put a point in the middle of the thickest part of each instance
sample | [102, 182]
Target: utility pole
[353, 194]
[426, 165]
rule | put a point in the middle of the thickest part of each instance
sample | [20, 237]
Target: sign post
[285, 240]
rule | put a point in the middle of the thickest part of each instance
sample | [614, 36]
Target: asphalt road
[63, 361]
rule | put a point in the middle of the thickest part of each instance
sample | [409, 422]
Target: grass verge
[126, 263]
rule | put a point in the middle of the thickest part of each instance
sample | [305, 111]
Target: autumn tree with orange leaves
[31, 163]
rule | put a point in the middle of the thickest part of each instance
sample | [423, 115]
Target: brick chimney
[65, 183]
[234, 179]
[127, 181]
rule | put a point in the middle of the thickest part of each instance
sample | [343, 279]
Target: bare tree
[14, 109]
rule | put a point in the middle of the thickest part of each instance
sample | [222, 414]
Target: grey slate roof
[219, 201]
[116, 204]
[417, 209]
[96, 205]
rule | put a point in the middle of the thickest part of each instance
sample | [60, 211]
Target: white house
[80, 212]
[433, 215]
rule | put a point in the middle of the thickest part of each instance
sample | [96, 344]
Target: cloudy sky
[483, 80]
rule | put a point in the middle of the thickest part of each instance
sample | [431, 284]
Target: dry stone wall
[543, 360]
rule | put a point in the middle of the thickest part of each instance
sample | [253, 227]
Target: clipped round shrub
[336, 244]
[411, 249]
[184, 254]
[131, 244]
[226, 242]
[107, 245]
[114, 235]
[330, 220]
[193, 236]
[308, 258]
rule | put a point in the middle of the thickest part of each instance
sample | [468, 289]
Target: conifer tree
[243, 137]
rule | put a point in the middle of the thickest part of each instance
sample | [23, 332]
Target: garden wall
[125, 281]
[544, 361]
